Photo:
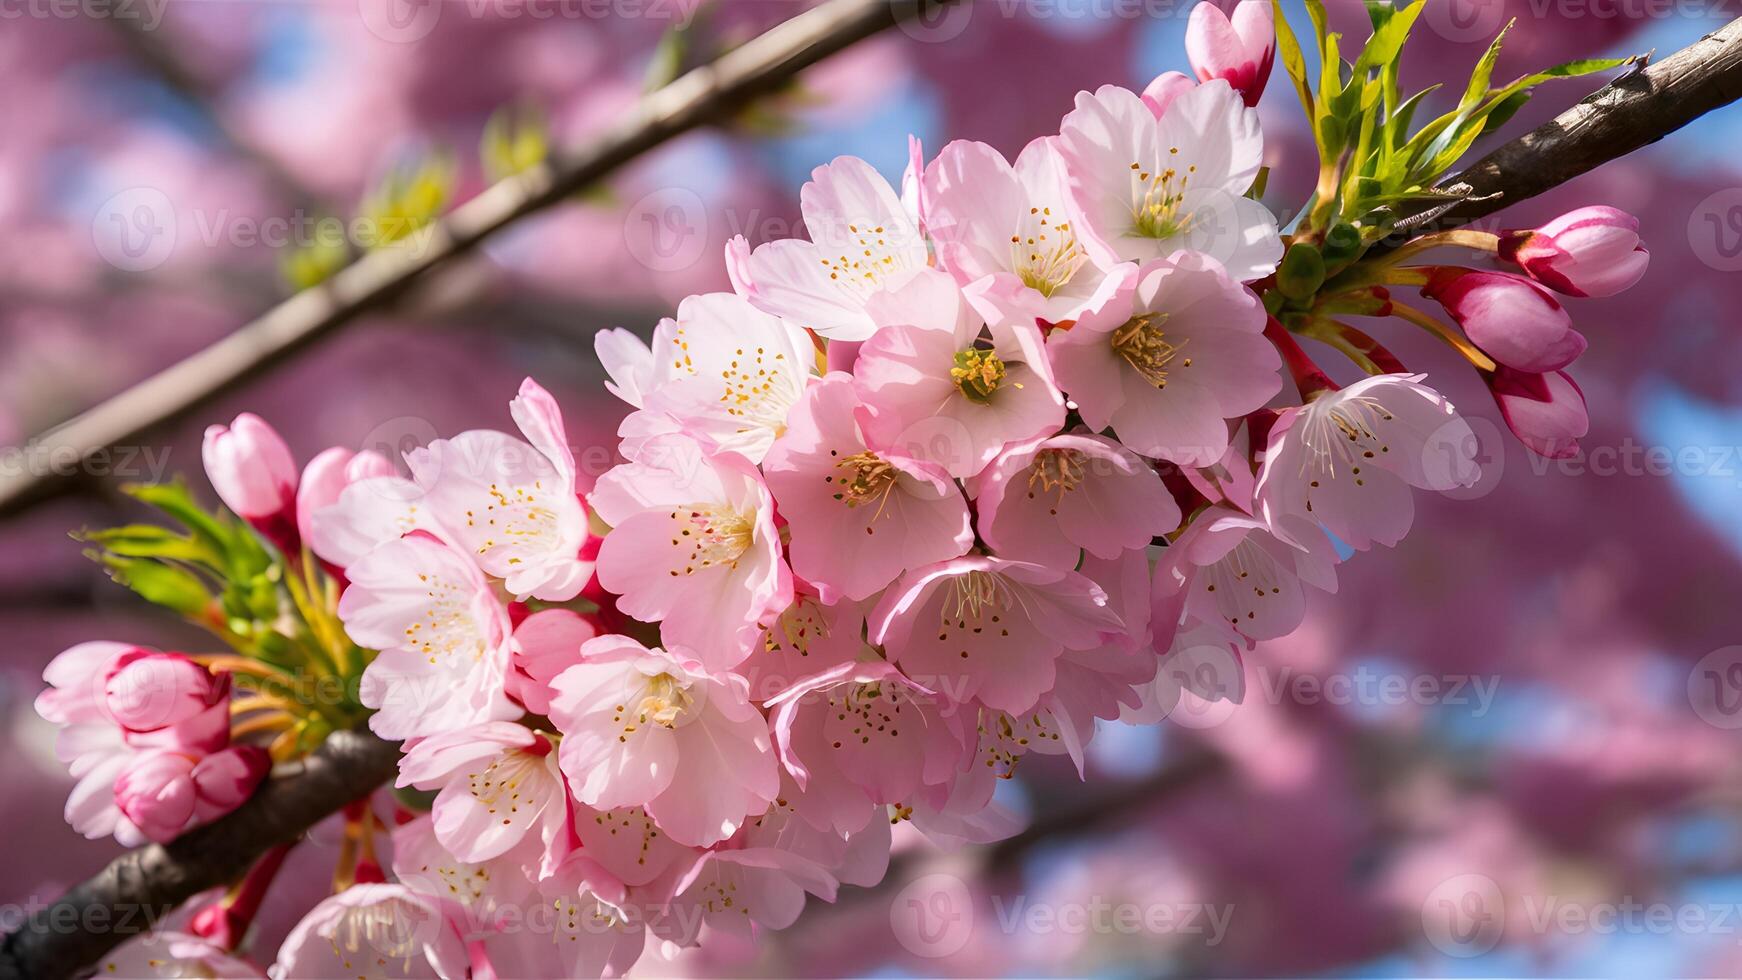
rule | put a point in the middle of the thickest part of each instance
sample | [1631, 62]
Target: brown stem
[139, 888]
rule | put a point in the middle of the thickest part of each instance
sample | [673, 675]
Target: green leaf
[151, 541]
[165, 585]
[174, 499]
[668, 58]
[1387, 41]
[409, 199]
[1503, 112]
[1571, 69]
[516, 139]
[1484, 71]
[1378, 12]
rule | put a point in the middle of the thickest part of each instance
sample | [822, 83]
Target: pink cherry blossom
[569, 931]
[642, 727]
[1514, 320]
[1230, 567]
[858, 734]
[545, 643]
[1347, 458]
[1592, 251]
[987, 629]
[625, 848]
[174, 954]
[367, 513]
[740, 890]
[1240, 50]
[1143, 187]
[511, 504]
[255, 476]
[844, 496]
[807, 638]
[443, 638]
[327, 475]
[692, 545]
[382, 930]
[938, 392]
[991, 219]
[1204, 660]
[859, 858]
[165, 700]
[164, 792]
[628, 361]
[725, 371]
[1048, 500]
[1545, 411]
[499, 789]
[485, 892]
[862, 240]
[1175, 351]
[1164, 88]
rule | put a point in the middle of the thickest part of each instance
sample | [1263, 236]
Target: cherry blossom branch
[1635, 110]
[139, 888]
[712, 92]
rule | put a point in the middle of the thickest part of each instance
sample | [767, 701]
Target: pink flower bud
[1517, 322]
[1593, 251]
[255, 476]
[156, 792]
[1545, 411]
[1167, 86]
[225, 779]
[328, 474]
[146, 692]
[1239, 51]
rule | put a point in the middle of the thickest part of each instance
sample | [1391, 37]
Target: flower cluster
[1015, 449]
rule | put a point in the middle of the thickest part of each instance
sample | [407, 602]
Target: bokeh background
[1555, 792]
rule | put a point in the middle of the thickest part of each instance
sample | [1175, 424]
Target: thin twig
[1636, 109]
[711, 92]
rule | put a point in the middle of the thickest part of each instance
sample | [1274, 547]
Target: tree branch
[140, 887]
[708, 93]
[1635, 110]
